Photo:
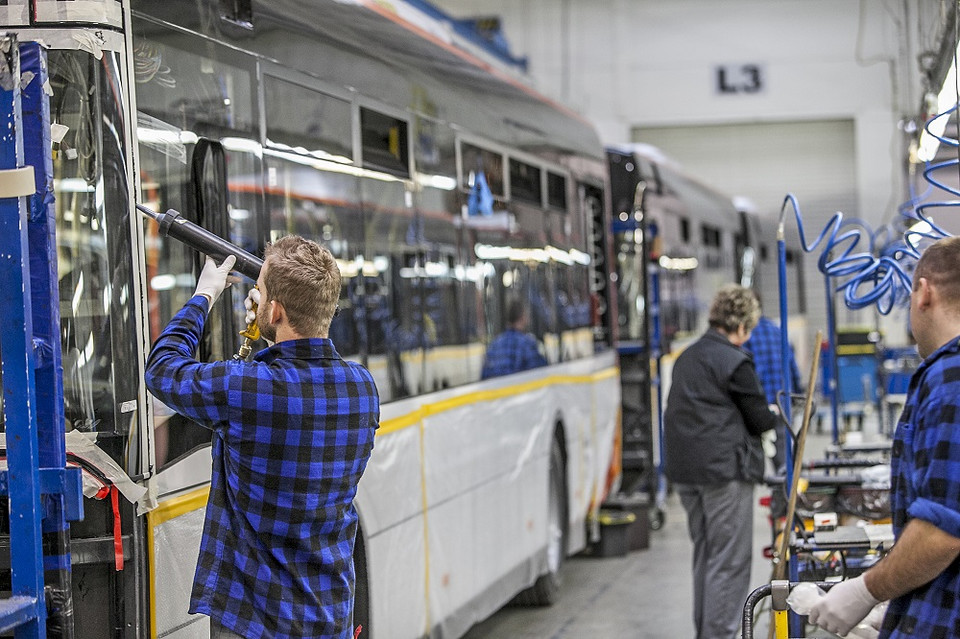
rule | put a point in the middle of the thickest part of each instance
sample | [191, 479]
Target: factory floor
[646, 594]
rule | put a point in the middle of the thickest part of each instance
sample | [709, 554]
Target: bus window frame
[361, 102]
[507, 155]
[272, 69]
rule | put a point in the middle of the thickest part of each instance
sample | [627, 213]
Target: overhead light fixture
[678, 263]
[946, 100]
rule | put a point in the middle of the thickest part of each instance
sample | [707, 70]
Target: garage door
[814, 160]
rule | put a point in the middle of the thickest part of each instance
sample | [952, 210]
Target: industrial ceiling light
[946, 101]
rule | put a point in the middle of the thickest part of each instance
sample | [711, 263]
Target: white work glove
[844, 606]
[768, 439]
[213, 278]
[869, 628]
[251, 303]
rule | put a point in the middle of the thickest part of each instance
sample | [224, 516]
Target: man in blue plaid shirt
[514, 349]
[921, 575]
[764, 345]
[292, 433]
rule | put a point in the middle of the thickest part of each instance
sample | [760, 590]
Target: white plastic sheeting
[454, 500]
[174, 537]
[84, 445]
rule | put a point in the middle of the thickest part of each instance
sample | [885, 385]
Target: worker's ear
[925, 293]
[276, 311]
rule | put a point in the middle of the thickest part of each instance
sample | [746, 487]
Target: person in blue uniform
[514, 349]
[920, 577]
[292, 432]
[765, 347]
[715, 416]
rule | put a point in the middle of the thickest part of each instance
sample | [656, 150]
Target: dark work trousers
[720, 521]
[219, 632]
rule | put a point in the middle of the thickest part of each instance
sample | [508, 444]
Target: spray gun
[172, 224]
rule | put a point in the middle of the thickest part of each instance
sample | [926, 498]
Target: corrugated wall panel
[814, 160]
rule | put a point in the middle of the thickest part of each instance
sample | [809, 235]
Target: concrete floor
[644, 595]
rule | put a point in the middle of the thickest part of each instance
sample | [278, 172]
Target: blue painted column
[17, 360]
[792, 567]
[46, 331]
[834, 368]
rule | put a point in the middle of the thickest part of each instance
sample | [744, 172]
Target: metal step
[16, 611]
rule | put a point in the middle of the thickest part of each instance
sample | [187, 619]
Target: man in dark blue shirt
[293, 430]
[513, 350]
[765, 347]
[921, 575]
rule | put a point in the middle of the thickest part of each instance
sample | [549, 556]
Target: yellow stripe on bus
[180, 505]
[414, 417]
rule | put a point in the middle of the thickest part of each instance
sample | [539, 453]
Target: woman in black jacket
[716, 412]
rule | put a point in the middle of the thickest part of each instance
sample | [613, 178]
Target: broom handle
[780, 569]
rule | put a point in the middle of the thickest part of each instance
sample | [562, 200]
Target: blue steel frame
[793, 568]
[45, 302]
[30, 356]
[18, 362]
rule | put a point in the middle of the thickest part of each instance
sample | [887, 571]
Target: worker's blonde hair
[303, 276]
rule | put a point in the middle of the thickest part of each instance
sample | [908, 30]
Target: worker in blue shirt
[292, 432]
[765, 347]
[921, 575]
[514, 349]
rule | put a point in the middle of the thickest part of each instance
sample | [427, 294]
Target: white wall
[631, 64]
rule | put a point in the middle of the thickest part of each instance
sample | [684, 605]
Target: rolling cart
[777, 590]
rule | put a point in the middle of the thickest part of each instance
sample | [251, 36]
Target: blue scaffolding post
[29, 358]
[793, 569]
[58, 509]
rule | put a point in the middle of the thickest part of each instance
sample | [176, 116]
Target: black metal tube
[754, 598]
[829, 464]
[174, 225]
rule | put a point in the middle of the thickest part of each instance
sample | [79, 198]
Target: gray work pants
[720, 521]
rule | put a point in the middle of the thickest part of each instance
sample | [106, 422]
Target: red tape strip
[117, 536]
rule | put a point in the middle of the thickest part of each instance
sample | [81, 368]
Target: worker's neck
[286, 333]
[947, 334]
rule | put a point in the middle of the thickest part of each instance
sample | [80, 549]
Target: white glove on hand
[213, 278]
[251, 303]
[869, 628]
[768, 439]
[844, 606]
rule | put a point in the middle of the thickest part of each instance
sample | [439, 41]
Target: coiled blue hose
[885, 278]
[865, 277]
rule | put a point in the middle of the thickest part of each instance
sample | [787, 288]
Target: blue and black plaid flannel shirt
[293, 431]
[764, 345]
[925, 474]
[511, 352]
